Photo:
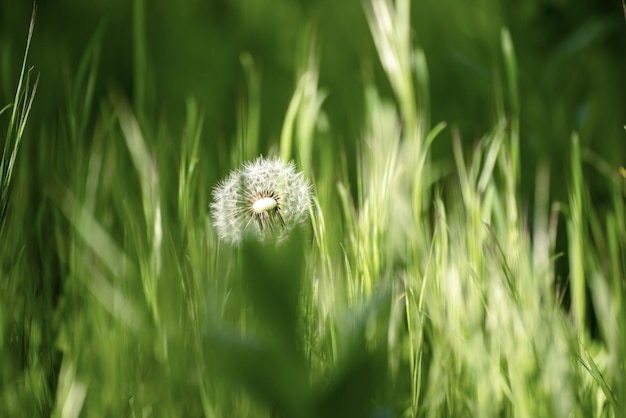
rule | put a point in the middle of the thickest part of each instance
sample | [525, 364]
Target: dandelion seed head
[265, 198]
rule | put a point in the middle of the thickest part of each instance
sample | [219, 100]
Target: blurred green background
[571, 67]
[571, 56]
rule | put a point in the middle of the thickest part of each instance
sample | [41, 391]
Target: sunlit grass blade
[148, 175]
[20, 110]
[576, 237]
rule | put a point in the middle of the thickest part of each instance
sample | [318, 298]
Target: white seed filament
[264, 204]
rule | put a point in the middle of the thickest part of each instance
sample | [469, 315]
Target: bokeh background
[572, 78]
[571, 57]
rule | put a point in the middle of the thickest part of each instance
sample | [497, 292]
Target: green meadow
[463, 248]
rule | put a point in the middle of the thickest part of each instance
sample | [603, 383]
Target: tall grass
[415, 290]
[19, 111]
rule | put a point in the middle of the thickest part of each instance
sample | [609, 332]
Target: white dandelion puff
[265, 198]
